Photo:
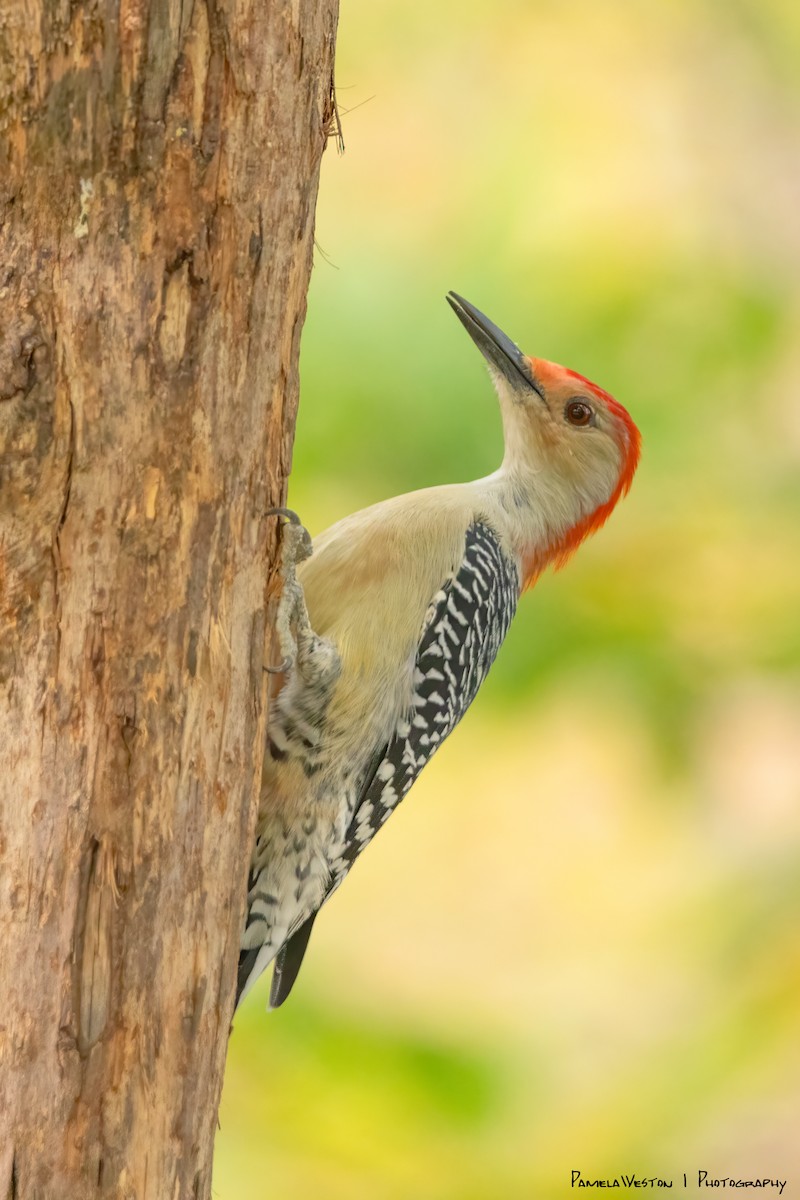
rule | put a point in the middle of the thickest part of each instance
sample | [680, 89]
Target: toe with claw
[316, 658]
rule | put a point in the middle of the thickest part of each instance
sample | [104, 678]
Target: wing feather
[464, 627]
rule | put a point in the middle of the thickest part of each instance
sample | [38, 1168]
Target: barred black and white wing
[463, 630]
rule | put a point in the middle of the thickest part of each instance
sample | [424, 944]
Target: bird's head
[574, 443]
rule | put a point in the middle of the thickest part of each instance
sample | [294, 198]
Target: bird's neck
[542, 518]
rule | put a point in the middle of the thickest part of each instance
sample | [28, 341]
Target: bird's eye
[578, 412]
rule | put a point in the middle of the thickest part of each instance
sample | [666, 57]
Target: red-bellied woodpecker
[390, 628]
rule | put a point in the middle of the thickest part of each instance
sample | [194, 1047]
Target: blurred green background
[578, 945]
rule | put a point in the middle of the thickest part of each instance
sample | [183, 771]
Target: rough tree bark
[158, 174]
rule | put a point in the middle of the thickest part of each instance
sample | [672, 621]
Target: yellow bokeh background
[577, 946]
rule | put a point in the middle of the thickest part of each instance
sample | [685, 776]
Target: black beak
[498, 349]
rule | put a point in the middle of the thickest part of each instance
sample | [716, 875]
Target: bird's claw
[301, 538]
[282, 668]
[289, 513]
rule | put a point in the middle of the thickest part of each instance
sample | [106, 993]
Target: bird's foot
[295, 547]
[316, 658]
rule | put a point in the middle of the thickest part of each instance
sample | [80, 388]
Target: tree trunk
[159, 163]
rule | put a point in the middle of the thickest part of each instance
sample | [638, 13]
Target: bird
[389, 621]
